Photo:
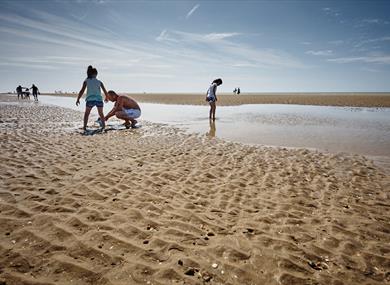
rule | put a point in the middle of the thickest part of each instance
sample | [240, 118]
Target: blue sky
[180, 46]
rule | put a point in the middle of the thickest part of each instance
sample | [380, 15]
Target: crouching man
[125, 109]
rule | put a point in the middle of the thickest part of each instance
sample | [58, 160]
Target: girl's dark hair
[94, 72]
[89, 71]
[218, 81]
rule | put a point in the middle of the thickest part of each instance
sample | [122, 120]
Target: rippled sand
[156, 206]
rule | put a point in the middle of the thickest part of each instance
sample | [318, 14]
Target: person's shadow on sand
[213, 130]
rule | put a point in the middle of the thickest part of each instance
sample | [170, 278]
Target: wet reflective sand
[336, 129]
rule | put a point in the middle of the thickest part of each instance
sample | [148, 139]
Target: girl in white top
[211, 97]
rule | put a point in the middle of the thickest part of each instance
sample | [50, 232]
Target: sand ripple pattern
[155, 206]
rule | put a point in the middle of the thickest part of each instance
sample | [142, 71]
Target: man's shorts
[132, 113]
[93, 103]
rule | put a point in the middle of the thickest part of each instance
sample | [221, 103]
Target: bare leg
[101, 116]
[123, 116]
[86, 116]
[212, 110]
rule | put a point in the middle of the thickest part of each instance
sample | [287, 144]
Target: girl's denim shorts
[93, 103]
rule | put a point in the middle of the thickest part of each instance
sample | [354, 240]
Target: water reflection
[353, 130]
[212, 131]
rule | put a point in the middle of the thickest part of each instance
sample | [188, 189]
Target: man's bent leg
[123, 116]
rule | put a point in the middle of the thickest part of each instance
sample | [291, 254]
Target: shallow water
[336, 129]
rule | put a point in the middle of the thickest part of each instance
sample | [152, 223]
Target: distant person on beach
[238, 91]
[35, 92]
[26, 93]
[211, 97]
[19, 90]
[125, 109]
[94, 97]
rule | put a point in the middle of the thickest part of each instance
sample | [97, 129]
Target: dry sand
[156, 206]
[322, 99]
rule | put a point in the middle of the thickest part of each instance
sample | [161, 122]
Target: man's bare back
[126, 103]
[125, 108]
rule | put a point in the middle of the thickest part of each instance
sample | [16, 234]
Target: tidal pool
[335, 129]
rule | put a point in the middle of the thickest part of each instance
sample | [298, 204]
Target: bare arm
[104, 91]
[117, 107]
[81, 93]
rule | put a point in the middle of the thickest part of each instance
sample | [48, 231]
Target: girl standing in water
[211, 97]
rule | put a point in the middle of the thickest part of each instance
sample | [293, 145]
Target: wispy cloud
[179, 36]
[320, 52]
[331, 12]
[162, 49]
[370, 22]
[222, 48]
[335, 14]
[60, 62]
[375, 21]
[61, 31]
[336, 42]
[220, 36]
[244, 65]
[162, 36]
[378, 59]
[368, 69]
[99, 2]
[373, 40]
[25, 65]
[192, 11]
[137, 74]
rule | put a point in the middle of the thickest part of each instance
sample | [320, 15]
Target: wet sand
[158, 206]
[321, 99]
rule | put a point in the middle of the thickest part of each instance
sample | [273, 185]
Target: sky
[181, 46]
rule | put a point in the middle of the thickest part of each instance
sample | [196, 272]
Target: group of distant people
[24, 92]
[237, 91]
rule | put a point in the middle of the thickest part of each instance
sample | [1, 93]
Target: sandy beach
[157, 206]
[321, 99]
